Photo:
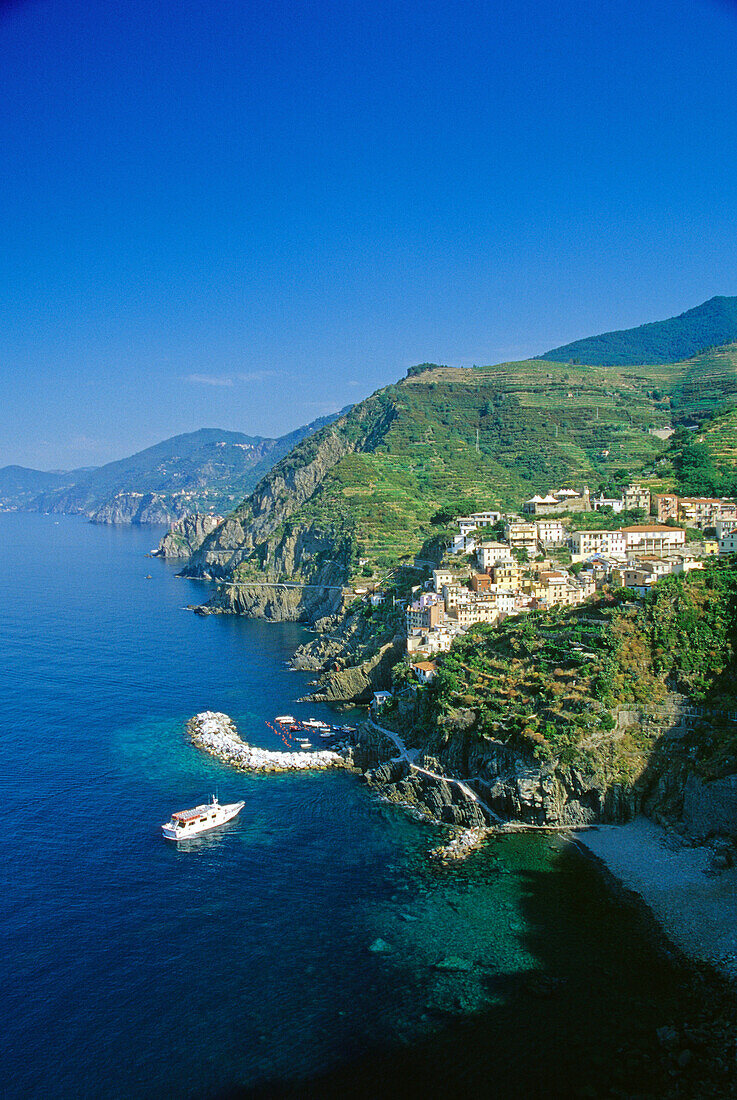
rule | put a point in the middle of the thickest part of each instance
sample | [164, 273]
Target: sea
[241, 963]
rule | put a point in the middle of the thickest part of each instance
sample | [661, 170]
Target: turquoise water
[136, 968]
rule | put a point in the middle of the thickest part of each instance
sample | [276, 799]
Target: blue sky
[245, 215]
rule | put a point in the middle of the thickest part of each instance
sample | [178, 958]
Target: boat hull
[196, 828]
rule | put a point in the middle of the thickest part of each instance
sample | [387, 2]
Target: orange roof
[651, 527]
[426, 666]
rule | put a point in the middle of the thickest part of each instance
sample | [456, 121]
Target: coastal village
[498, 565]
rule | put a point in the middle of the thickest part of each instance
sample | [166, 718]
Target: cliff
[136, 508]
[186, 536]
[594, 713]
[257, 538]
[353, 654]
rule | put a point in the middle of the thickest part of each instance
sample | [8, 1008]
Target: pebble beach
[695, 907]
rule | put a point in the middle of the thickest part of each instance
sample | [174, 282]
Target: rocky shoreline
[216, 734]
[690, 897]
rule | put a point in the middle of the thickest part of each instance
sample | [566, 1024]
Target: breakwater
[215, 733]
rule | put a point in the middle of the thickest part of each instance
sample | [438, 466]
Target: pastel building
[608, 543]
[654, 538]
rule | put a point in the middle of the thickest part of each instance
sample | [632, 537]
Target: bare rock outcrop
[186, 536]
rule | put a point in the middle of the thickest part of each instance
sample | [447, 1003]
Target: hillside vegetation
[447, 436]
[706, 326]
[548, 684]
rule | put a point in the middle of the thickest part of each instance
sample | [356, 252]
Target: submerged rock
[454, 963]
[380, 947]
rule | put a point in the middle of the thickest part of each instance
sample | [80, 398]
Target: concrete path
[410, 755]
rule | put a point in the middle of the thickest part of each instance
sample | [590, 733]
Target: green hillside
[540, 425]
[537, 424]
[706, 326]
[720, 437]
[546, 683]
[487, 436]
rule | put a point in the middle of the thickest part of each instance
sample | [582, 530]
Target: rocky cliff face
[259, 537]
[353, 656]
[274, 601]
[256, 524]
[138, 508]
[186, 536]
[357, 683]
[516, 786]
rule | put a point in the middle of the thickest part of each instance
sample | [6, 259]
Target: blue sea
[136, 968]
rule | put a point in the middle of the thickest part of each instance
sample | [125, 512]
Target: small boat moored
[187, 823]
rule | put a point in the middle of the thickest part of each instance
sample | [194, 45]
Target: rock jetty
[217, 735]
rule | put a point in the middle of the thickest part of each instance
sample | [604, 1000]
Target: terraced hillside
[720, 436]
[590, 713]
[369, 485]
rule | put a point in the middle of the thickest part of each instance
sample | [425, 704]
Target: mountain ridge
[368, 486]
[711, 324]
[207, 470]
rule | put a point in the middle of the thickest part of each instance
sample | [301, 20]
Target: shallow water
[137, 968]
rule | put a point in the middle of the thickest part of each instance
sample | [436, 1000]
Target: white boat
[285, 719]
[187, 823]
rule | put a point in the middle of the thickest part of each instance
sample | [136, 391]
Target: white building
[455, 595]
[480, 611]
[586, 584]
[490, 554]
[425, 671]
[464, 544]
[615, 503]
[685, 565]
[477, 519]
[637, 497]
[380, 699]
[441, 577]
[522, 536]
[585, 543]
[654, 538]
[550, 532]
[506, 600]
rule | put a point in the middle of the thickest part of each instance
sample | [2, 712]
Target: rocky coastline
[688, 887]
[186, 536]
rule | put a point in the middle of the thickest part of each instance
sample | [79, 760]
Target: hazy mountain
[209, 470]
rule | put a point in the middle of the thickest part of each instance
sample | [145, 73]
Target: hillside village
[496, 565]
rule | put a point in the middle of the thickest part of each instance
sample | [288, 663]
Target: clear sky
[223, 213]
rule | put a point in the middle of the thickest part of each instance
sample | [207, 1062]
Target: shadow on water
[583, 1023]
